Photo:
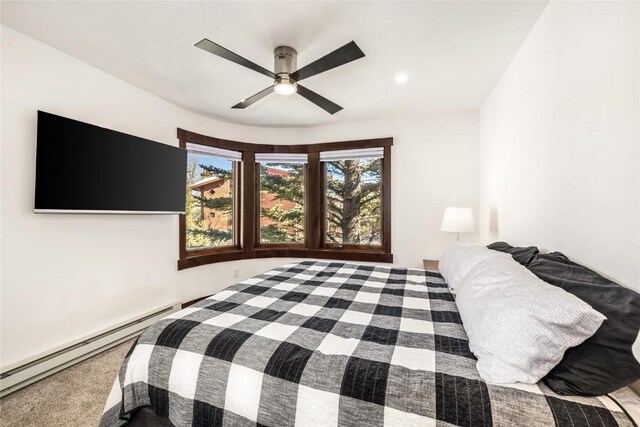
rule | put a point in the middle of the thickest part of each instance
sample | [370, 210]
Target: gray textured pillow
[519, 326]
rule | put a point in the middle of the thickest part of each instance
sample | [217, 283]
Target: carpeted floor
[72, 397]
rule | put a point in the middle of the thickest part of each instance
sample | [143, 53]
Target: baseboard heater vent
[15, 376]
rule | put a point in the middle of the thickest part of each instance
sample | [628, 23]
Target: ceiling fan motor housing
[285, 60]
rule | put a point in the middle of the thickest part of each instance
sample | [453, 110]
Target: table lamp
[458, 220]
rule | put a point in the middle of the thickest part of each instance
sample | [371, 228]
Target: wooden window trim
[247, 204]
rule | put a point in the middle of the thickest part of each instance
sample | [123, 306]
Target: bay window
[328, 200]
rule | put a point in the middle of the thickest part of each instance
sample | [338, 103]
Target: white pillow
[519, 326]
[458, 260]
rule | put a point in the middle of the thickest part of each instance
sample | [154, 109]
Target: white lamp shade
[458, 220]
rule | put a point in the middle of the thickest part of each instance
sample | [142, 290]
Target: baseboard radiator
[15, 376]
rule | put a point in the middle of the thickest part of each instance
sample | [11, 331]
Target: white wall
[560, 140]
[65, 276]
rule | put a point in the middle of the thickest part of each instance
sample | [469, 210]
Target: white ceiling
[454, 52]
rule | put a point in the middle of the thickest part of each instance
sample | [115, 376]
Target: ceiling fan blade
[347, 53]
[257, 97]
[320, 101]
[216, 49]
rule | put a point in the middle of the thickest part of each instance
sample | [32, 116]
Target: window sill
[338, 254]
[194, 253]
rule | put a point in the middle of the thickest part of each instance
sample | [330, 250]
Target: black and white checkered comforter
[327, 344]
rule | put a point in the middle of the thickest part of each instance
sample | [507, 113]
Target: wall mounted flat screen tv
[86, 168]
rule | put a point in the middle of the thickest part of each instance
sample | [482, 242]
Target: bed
[327, 344]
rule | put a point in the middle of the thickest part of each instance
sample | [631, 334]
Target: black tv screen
[86, 168]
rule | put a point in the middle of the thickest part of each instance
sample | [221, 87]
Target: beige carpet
[72, 397]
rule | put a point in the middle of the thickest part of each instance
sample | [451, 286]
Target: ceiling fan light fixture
[285, 86]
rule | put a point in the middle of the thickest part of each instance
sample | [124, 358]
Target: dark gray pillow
[604, 362]
[523, 255]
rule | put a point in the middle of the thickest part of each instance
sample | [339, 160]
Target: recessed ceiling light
[402, 78]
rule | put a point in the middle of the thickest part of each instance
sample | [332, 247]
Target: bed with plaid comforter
[329, 344]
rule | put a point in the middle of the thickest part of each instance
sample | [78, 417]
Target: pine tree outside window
[353, 201]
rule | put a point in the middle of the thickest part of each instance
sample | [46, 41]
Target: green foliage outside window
[282, 186]
[352, 203]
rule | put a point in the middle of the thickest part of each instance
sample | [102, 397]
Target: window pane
[210, 194]
[353, 199]
[281, 203]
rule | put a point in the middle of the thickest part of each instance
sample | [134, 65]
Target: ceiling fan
[285, 78]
